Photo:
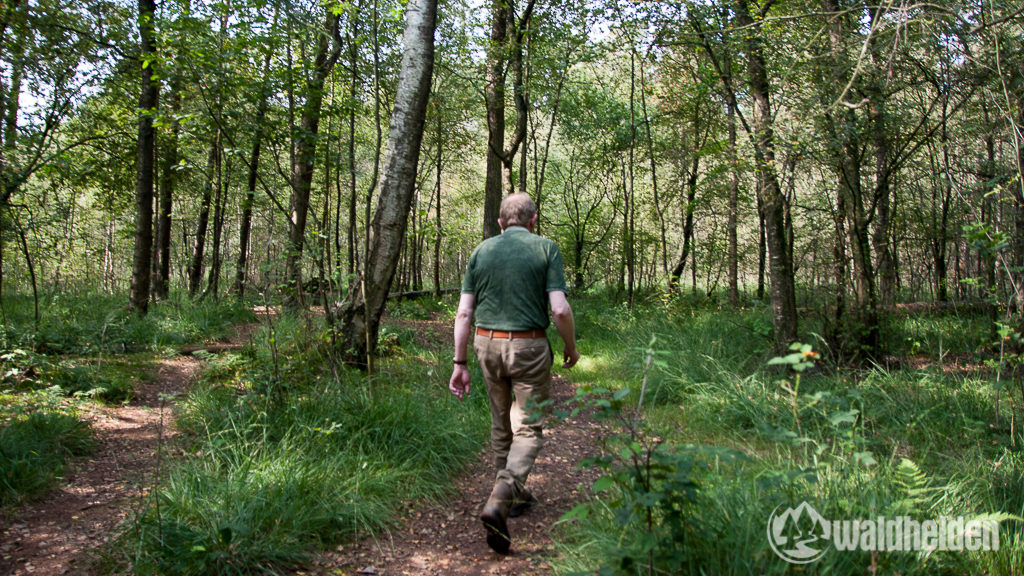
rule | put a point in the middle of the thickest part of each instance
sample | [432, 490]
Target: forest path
[447, 538]
[55, 534]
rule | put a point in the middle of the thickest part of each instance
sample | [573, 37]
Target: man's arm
[459, 382]
[561, 312]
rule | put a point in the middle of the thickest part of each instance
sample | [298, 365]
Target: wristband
[459, 362]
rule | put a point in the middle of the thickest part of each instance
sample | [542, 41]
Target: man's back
[511, 275]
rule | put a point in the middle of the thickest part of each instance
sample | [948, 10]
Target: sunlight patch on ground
[590, 368]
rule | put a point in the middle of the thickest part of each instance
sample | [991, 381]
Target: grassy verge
[91, 323]
[38, 431]
[725, 441]
[287, 454]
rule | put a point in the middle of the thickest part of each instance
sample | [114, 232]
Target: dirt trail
[448, 539]
[52, 536]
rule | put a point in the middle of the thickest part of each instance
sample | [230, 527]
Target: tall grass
[854, 443]
[38, 432]
[95, 322]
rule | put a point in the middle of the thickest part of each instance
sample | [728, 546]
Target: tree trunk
[780, 260]
[540, 166]
[499, 159]
[762, 242]
[494, 96]
[437, 210]
[195, 269]
[168, 179]
[327, 52]
[375, 176]
[1019, 194]
[10, 181]
[987, 174]
[245, 224]
[628, 185]
[654, 171]
[366, 299]
[353, 199]
[221, 198]
[845, 150]
[883, 208]
[148, 100]
[734, 193]
[837, 332]
[941, 232]
[692, 173]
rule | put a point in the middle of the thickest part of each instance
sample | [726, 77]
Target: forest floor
[59, 533]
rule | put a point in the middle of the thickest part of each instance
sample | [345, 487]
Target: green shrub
[853, 443]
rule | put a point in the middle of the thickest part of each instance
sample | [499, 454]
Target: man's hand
[570, 356]
[459, 382]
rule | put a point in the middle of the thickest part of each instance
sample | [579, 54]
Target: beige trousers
[517, 373]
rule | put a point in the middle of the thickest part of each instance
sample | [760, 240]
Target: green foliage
[37, 434]
[649, 487]
[88, 323]
[916, 441]
[102, 382]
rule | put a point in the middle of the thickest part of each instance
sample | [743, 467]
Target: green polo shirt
[511, 275]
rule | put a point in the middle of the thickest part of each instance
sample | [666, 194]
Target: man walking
[510, 282]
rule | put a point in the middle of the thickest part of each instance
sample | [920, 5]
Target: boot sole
[497, 531]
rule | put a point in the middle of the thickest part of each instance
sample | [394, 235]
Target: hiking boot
[522, 504]
[494, 517]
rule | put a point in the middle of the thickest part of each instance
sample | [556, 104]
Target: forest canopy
[840, 156]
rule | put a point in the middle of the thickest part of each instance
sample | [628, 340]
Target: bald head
[517, 210]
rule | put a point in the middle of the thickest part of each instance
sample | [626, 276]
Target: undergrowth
[85, 346]
[39, 431]
[93, 323]
[725, 440]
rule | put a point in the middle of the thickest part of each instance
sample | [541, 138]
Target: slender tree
[148, 99]
[773, 201]
[505, 49]
[328, 50]
[361, 314]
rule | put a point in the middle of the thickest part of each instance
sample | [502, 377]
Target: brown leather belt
[510, 335]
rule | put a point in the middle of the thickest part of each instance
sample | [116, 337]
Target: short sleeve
[468, 282]
[556, 273]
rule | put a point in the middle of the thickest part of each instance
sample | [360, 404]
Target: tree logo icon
[799, 535]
